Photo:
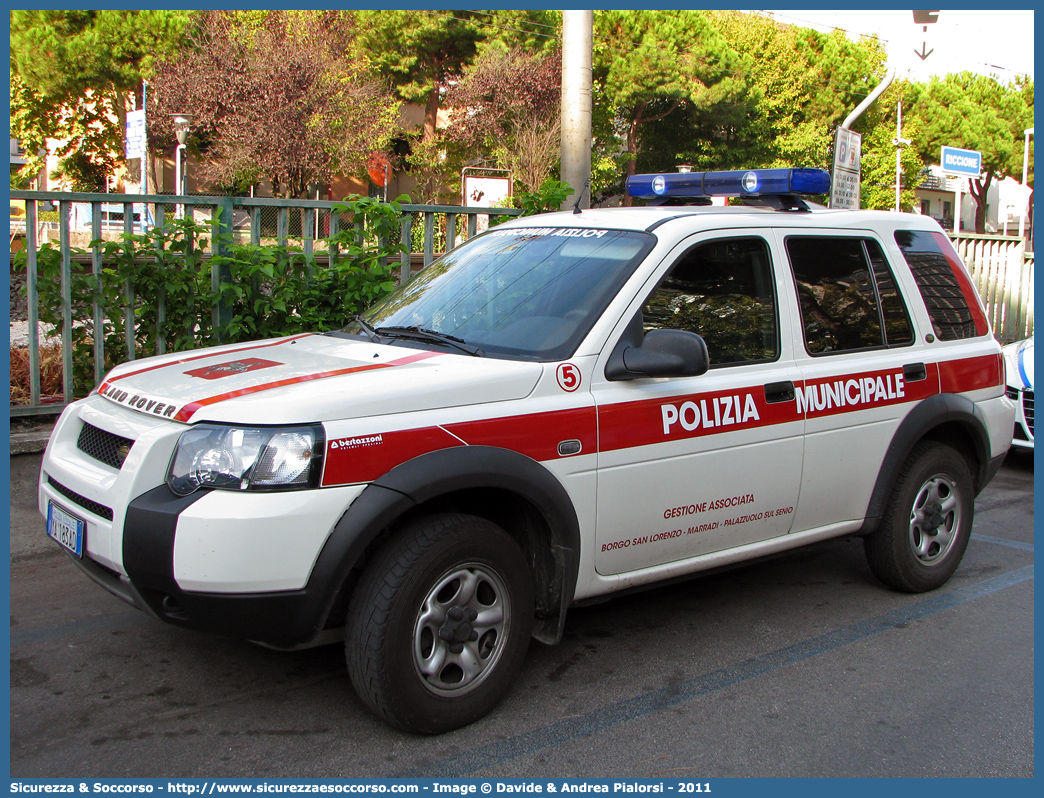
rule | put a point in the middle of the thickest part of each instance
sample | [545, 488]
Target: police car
[561, 408]
[1018, 360]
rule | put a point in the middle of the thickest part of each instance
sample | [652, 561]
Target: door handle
[779, 392]
[914, 372]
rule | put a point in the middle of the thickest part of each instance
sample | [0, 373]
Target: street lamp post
[898, 142]
[1025, 182]
[182, 123]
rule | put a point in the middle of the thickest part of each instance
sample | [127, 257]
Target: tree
[651, 64]
[508, 103]
[72, 72]
[421, 52]
[877, 181]
[979, 113]
[800, 85]
[277, 95]
[89, 141]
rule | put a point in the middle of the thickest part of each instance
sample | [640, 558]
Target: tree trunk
[632, 150]
[979, 189]
[431, 112]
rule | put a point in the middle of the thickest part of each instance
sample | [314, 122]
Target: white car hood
[311, 378]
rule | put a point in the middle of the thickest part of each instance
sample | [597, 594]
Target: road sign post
[135, 145]
[844, 182]
[960, 163]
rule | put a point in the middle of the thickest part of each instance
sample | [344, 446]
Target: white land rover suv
[562, 407]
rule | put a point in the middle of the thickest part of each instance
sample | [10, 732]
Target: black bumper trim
[284, 619]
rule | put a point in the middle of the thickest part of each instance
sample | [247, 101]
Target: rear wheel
[927, 521]
[439, 623]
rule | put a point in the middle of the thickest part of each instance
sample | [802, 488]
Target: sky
[998, 43]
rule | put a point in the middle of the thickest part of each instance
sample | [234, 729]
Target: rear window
[848, 296]
[946, 287]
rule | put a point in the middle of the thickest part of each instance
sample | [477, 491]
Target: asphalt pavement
[803, 666]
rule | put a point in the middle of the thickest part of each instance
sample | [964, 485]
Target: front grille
[1027, 409]
[104, 446]
[87, 504]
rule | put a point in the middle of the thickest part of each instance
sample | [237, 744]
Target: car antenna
[576, 207]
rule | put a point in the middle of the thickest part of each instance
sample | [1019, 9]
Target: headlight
[246, 458]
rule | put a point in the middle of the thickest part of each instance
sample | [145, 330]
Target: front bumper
[232, 563]
[1022, 434]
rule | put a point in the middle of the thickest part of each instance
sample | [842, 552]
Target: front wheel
[439, 623]
[927, 521]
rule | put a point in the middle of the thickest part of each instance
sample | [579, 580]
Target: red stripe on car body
[971, 373]
[366, 457]
[188, 410]
[170, 363]
[627, 425]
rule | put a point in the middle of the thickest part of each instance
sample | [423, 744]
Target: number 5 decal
[568, 377]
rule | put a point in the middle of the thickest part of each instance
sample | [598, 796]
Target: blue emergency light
[739, 183]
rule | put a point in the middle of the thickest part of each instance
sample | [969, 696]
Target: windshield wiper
[371, 333]
[422, 334]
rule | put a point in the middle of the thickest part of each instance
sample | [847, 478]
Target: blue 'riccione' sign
[967, 163]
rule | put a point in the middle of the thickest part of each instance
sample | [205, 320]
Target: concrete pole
[577, 38]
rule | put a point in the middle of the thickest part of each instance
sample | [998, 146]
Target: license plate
[66, 528]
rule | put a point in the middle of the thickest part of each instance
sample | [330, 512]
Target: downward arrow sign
[923, 55]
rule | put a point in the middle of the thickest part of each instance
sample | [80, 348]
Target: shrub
[162, 279]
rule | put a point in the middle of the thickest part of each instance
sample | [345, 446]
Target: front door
[694, 465]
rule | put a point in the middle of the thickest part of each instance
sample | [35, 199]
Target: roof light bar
[740, 183]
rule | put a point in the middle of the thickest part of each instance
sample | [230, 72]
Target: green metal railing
[426, 232]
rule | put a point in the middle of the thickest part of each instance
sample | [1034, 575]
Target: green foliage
[549, 197]
[653, 66]
[164, 278]
[82, 124]
[420, 51]
[83, 174]
[279, 290]
[798, 87]
[877, 186]
[66, 53]
[69, 70]
[975, 112]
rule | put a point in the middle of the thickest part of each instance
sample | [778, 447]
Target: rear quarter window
[945, 285]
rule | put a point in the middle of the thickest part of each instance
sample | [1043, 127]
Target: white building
[1006, 201]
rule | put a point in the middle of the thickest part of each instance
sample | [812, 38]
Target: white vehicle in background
[1018, 363]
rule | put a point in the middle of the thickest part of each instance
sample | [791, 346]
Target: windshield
[523, 293]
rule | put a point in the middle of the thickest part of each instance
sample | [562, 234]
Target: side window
[849, 298]
[952, 302]
[723, 291]
[897, 328]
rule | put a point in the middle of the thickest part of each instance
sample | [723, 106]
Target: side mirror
[659, 353]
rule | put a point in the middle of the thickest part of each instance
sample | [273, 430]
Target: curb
[29, 442]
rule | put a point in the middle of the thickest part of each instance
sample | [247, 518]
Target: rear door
[861, 368]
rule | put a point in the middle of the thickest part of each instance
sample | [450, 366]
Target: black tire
[413, 655]
[927, 521]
